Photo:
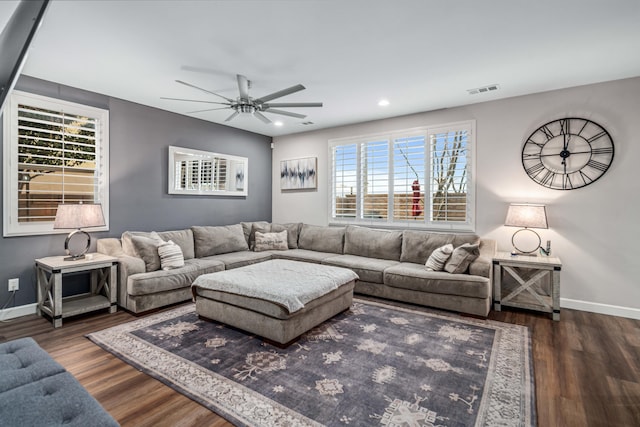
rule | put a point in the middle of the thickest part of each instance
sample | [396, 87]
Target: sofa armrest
[127, 265]
[483, 265]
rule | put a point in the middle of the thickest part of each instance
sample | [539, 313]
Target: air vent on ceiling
[307, 123]
[483, 89]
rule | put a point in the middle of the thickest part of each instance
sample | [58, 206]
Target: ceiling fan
[255, 106]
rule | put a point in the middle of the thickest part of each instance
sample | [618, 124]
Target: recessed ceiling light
[383, 102]
[278, 123]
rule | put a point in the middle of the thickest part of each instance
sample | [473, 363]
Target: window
[55, 152]
[418, 178]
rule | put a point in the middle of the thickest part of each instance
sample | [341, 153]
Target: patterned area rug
[374, 364]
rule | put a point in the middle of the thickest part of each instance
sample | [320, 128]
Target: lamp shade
[79, 216]
[527, 216]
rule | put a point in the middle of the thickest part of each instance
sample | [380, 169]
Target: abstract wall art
[299, 174]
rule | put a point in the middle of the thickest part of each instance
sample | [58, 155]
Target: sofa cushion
[321, 239]
[461, 258]
[169, 280]
[182, 238]
[293, 231]
[271, 241]
[247, 226]
[257, 228]
[372, 243]
[303, 255]
[22, 361]
[35, 390]
[417, 246]
[415, 277]
[214, 240]
[146, 247]
[367, 269]
[240, 259]
[127, 245]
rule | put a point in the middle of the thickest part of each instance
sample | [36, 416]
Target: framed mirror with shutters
[204, 173]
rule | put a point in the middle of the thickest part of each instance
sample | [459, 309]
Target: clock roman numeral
[597, 165]
[565, 127]
[531, 156]
[547, 132]
[535, 169]
[603, 150]
[566, 182]
[597, 136]
[530, 141]
[585, 178]
[547, 178]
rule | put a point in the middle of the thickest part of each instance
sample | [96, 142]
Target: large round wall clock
[567, 153]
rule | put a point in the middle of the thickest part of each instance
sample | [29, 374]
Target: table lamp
[78, 216]
[528, 217]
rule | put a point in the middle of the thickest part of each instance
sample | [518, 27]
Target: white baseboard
[594, 307]
[21, 310]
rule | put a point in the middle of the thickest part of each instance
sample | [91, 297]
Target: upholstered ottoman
[37, 391]
[278, 299]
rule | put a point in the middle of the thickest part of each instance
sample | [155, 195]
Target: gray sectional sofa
[390, 263]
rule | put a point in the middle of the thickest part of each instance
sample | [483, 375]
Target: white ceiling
[421, 55]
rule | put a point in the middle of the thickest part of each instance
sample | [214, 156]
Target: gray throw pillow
[461, 257]
[271, 241]
[439, 257]
[257, 227]
[214, 240]
[293, 230]
[146, 247]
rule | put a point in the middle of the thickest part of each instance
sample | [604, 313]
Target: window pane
[344, 181]
[449, 176]
[375, 179]
[56, 162]
[409, 178]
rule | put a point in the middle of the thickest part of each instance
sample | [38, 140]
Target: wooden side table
[104, 282]
[529, 292]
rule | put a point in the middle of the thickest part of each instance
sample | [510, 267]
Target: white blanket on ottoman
[290, 284]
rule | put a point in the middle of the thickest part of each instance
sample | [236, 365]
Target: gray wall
[138, 156]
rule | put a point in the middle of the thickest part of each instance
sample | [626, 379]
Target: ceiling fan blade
[285, 113]
[204, 90]
[243, 86]
[292, 104]
[208, 109]
[262, 117]
[228, 119]
[281, 93]
[194, 100]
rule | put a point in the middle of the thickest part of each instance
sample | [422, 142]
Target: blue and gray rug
[374, 364]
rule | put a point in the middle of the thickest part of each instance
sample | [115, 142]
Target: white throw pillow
[439, 257]
[170, 255]
[271, 241]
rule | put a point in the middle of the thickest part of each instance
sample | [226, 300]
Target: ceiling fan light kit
[245, 104]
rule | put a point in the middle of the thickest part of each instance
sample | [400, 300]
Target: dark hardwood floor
[587, 370]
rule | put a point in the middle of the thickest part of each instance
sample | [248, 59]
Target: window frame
[392, 137]
[11, 226]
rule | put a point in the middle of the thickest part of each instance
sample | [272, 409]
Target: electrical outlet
[14, 284]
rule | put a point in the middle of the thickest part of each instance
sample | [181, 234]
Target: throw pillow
[293, 229]
[146, 247]
[257, 227]
[461, 258]
[271, 241]
[439, 257]
[170, 255]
